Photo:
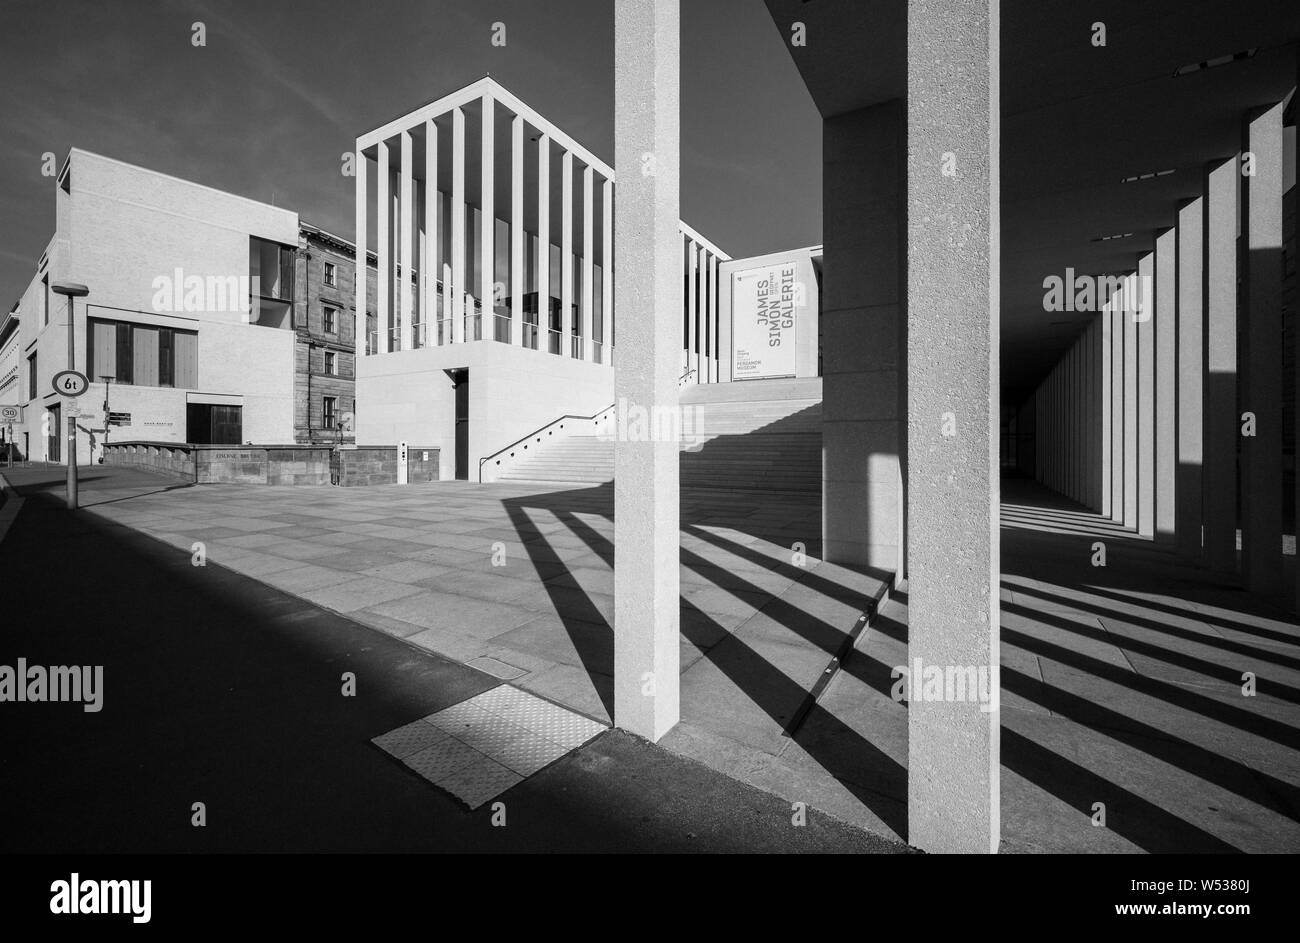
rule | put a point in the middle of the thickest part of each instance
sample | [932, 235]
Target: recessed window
[45, 301]
[329, 274]
[331, 363]
[329, 411]
[31, 377]
[142, 355]
[330, 320]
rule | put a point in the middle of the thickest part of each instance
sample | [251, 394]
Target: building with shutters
[188, 332]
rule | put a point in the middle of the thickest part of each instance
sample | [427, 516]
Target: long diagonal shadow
[1209, 669]
[1210, 641]
[768, 687]
[1141, 821]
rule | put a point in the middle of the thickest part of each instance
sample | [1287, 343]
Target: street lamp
[108, 378]
[71, 290]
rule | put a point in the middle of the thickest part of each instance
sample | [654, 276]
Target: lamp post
[108, 379]
[71, 290]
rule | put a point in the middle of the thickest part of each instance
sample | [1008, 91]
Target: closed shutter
[186, 350]
[145, 342]
[104, 350]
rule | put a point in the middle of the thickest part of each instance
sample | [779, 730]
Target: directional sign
[10, 414]
[70, 383]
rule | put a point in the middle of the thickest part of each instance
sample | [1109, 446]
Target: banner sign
[763, 302]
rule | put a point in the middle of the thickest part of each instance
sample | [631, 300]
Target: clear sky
[282, 89]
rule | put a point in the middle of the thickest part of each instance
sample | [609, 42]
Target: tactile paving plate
[482, 746]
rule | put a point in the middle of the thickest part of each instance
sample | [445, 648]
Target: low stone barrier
[275, 464]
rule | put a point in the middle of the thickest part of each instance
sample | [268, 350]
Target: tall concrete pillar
[607, 272]
[1191, 405]
[1165, 325]
[863, 351]
[1105, 412]
[1115, 315]
[1130, 405]
[459, 276]
[360, 336]
[1221, 430]
[588, 249]
[488, 226]
[516, 231]
[566, 254]
[406, 178]
[952, 340]
[715, 298]
[383, 235]
[1146, 470]
[544, 241]
[1261, 278]
[430, 263]
[647, 40]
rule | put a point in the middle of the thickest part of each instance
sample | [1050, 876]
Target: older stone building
[325, 328]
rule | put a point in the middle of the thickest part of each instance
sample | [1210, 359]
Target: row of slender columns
[1189, 378]
[702, 323]
[405, 248]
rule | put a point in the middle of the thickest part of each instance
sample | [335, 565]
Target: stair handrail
[537, 432]
[540, 429]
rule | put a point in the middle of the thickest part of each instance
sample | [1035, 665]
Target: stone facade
[318, 341]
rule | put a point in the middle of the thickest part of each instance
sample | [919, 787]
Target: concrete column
[359, 278]
[588, 250]
[1189, 260]
[715, 299]
[607, 272]
[1145, 305]
[383, 233]
[543, 241]
[693, 307]
[1221, 429]
[647, 38]
[1165, 323]
[1105, 412]
[517, 231]
[566, 255]
[1115, 315]
[1261, 279]
[864, 351]
[459, 276]
[488, 229]
[406, 178]
[429, 262]
[1130, 405]
[953, 317]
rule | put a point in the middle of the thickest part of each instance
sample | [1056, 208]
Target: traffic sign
[70, 383]
[10, 414]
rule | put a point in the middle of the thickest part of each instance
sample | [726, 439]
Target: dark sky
[282, 90]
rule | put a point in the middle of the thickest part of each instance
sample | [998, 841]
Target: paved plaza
[1114, 697]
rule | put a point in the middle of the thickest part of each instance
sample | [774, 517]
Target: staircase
[759, 435]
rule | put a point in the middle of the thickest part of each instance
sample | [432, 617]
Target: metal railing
[440, 333]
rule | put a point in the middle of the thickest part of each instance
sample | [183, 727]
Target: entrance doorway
[460, 379]
[54, 435]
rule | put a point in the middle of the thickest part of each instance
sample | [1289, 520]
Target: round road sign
[70, 383]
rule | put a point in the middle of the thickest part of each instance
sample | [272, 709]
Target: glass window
[31, 377]
[330, 364]
[329, 273]
[141, 354]
[330, 320]
[329, 410]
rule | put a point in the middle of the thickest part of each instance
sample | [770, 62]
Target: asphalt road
[220, 690]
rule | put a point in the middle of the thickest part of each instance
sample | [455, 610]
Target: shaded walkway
[1122, 685]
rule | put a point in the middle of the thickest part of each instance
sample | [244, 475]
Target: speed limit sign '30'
[70, 383]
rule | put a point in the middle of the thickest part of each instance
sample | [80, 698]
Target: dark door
[207, 424]
[461, 379]
[227, 425]
[53, 453]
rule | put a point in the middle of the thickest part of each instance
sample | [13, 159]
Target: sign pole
[71, 290]
[72, 420]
